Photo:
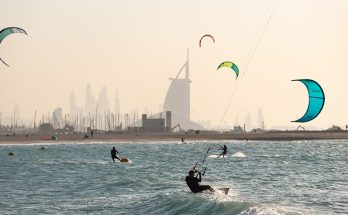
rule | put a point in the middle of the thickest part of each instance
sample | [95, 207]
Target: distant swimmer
[224, 151]
[113, 154]
[193, 182]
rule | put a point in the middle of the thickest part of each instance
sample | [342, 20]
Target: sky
[135, 46]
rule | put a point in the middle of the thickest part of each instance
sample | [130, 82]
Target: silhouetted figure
[192, 182]
[224, 151]
[92, 133]
[113, 154]
[346, 127]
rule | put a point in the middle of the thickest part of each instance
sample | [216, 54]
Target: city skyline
[135, 47]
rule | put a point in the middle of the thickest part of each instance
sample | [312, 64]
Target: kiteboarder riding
[113, 154]
[193, 182]
[224, 148]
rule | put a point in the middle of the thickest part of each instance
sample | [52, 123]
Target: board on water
[224, 190]
[124, 160]
[216, 156]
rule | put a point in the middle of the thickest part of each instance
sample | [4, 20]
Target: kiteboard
[216, 156]
[124, 160]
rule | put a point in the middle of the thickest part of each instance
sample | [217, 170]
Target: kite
[7, 31]
[230, 65]
[316, 100]
[206, 35]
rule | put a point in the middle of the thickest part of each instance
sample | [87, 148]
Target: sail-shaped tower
[178, 98]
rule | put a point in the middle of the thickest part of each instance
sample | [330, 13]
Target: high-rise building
[16, 113]
[260, 119]
[103, 102]
[57, 118]
[117, 104]
[73, 108]
[248, 125]
[90, 102]
[178, 99]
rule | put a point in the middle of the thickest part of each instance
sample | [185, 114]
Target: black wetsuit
[192, 183]
[113, 154]
[224, 149]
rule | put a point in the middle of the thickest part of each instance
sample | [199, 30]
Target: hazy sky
[136, 45]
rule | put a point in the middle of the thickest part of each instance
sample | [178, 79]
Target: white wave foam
[239, 155]
[266, 210]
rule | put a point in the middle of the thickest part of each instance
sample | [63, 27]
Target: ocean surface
[264, 177]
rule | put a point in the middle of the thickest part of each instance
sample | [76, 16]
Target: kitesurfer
[193, 182]
[224, 151]
[113, 154]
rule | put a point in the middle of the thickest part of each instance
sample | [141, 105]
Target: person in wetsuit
[224, 151]
[113, 154]
[192, 182]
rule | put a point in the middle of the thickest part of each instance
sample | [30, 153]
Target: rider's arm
[199, 177]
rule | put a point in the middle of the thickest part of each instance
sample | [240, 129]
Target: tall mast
[187, 65]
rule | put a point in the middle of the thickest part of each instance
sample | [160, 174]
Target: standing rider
[113, 154]
[224, 149]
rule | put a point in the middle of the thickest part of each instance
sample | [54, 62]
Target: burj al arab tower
[178, 98]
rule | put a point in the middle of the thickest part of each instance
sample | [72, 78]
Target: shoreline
[115, 138]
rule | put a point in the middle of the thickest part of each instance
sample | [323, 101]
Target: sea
[264, 177]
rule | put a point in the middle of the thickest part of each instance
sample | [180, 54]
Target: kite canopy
[10, 30]
[316, 100]
[206, 35]
[230, 65]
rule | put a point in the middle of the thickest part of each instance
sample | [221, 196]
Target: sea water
[264, 177]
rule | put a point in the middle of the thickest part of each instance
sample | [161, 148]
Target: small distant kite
[316, 100]
[206, 35]
[231, 65]
[7, 31]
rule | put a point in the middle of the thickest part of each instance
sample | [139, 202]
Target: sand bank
[109, 137]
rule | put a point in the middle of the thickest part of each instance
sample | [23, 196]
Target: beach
[130, 137]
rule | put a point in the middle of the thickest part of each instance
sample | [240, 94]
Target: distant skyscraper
[90, 102]
[117, 103]
[260, 119]
[178, 99]
[248, 125]
[103, 102]
[57, 118]
[73, 107]
[16, 113]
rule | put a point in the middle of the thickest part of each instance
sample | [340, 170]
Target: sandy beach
[124, 137]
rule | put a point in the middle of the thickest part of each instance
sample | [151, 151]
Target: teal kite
[7, 31]
[10, 30]
[230, 65]
[316, 100]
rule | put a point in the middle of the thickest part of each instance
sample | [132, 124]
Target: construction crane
[176, 126]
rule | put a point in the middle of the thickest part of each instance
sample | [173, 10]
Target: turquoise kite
[7, 31]
[10, 30]
[316, 100]
[230, 65]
